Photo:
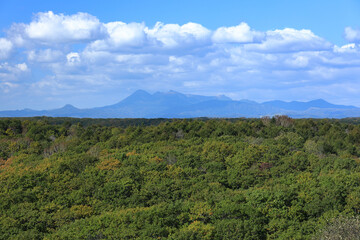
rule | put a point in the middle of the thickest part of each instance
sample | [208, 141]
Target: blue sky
[94, 53]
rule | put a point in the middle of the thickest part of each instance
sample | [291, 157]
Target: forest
[268, 178]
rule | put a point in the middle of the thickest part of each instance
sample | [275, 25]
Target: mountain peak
[170, 92]
[68, 106]
[140, 92]
[319, 101]
[223, 97]
[138, 95]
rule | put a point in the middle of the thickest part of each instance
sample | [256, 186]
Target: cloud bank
[80, 60]
[50, 28]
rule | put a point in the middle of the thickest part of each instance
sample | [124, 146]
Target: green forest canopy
[269, 178]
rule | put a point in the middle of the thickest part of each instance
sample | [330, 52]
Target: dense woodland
[269, 178]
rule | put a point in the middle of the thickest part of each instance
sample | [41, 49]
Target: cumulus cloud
[121, 35]
[237, 34]
[291, 40]
[22, 67]
[174, 35]
[352, 35]
[73, 58]
[5, 48]
[50, 28]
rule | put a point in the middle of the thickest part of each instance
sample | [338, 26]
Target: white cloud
[174, 35]
[73, 58]
[121, 35]
[17, 68]
[12, 73]
[22, 67]
[5, 48]
[298, 61]
[237, 34]
[135, 36]
[50, 28]
[352, 35]
[45, 55]
[98, 57]
[6, 87]
[291, 40]
[351, 47]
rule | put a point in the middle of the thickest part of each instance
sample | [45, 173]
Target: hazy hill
[142, 104]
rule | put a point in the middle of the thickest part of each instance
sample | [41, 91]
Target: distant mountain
[142, 104]
[303, 106]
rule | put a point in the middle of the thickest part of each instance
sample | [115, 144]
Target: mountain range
[142, 104]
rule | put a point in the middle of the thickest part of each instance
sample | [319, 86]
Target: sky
[95, 53]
